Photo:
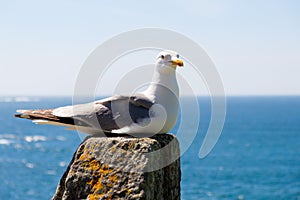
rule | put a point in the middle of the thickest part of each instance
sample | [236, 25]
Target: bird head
[167, 61]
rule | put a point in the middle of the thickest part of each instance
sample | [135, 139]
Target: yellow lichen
[84, 156]
[130, 145]
[98, 186]
[99, 171]
[98, 189]
[85, 153]
[90, 182]
[113, 178]
[109, 197]
[71, 172]
[93, 165]
[113, 149]
[94, 196]
[105, 169]
[127, 191]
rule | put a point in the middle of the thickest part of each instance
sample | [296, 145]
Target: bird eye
[177, 55]
[162, 56]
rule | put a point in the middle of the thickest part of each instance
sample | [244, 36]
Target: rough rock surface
[123, 168]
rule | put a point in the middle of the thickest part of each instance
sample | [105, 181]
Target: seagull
[152, 111]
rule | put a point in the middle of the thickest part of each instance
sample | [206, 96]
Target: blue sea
[257, 155]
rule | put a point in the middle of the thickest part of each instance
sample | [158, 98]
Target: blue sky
[254, 44]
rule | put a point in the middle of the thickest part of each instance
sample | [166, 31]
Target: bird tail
[47, 117]
[37, 115]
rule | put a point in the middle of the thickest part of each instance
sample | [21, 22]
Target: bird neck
[162, 82]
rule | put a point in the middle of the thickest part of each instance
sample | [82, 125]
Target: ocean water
[256, 157]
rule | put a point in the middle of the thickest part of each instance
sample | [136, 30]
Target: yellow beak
[177, 62]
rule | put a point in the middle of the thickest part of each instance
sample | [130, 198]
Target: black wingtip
[18, 115]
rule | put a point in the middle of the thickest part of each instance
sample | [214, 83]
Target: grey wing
[104, 115]
[121, 111]
[112, 113]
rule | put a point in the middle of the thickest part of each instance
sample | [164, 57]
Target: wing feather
[111, 114]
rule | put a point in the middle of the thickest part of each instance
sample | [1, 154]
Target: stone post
[123, 168]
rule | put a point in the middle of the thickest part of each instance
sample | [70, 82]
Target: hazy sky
[254, 44]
